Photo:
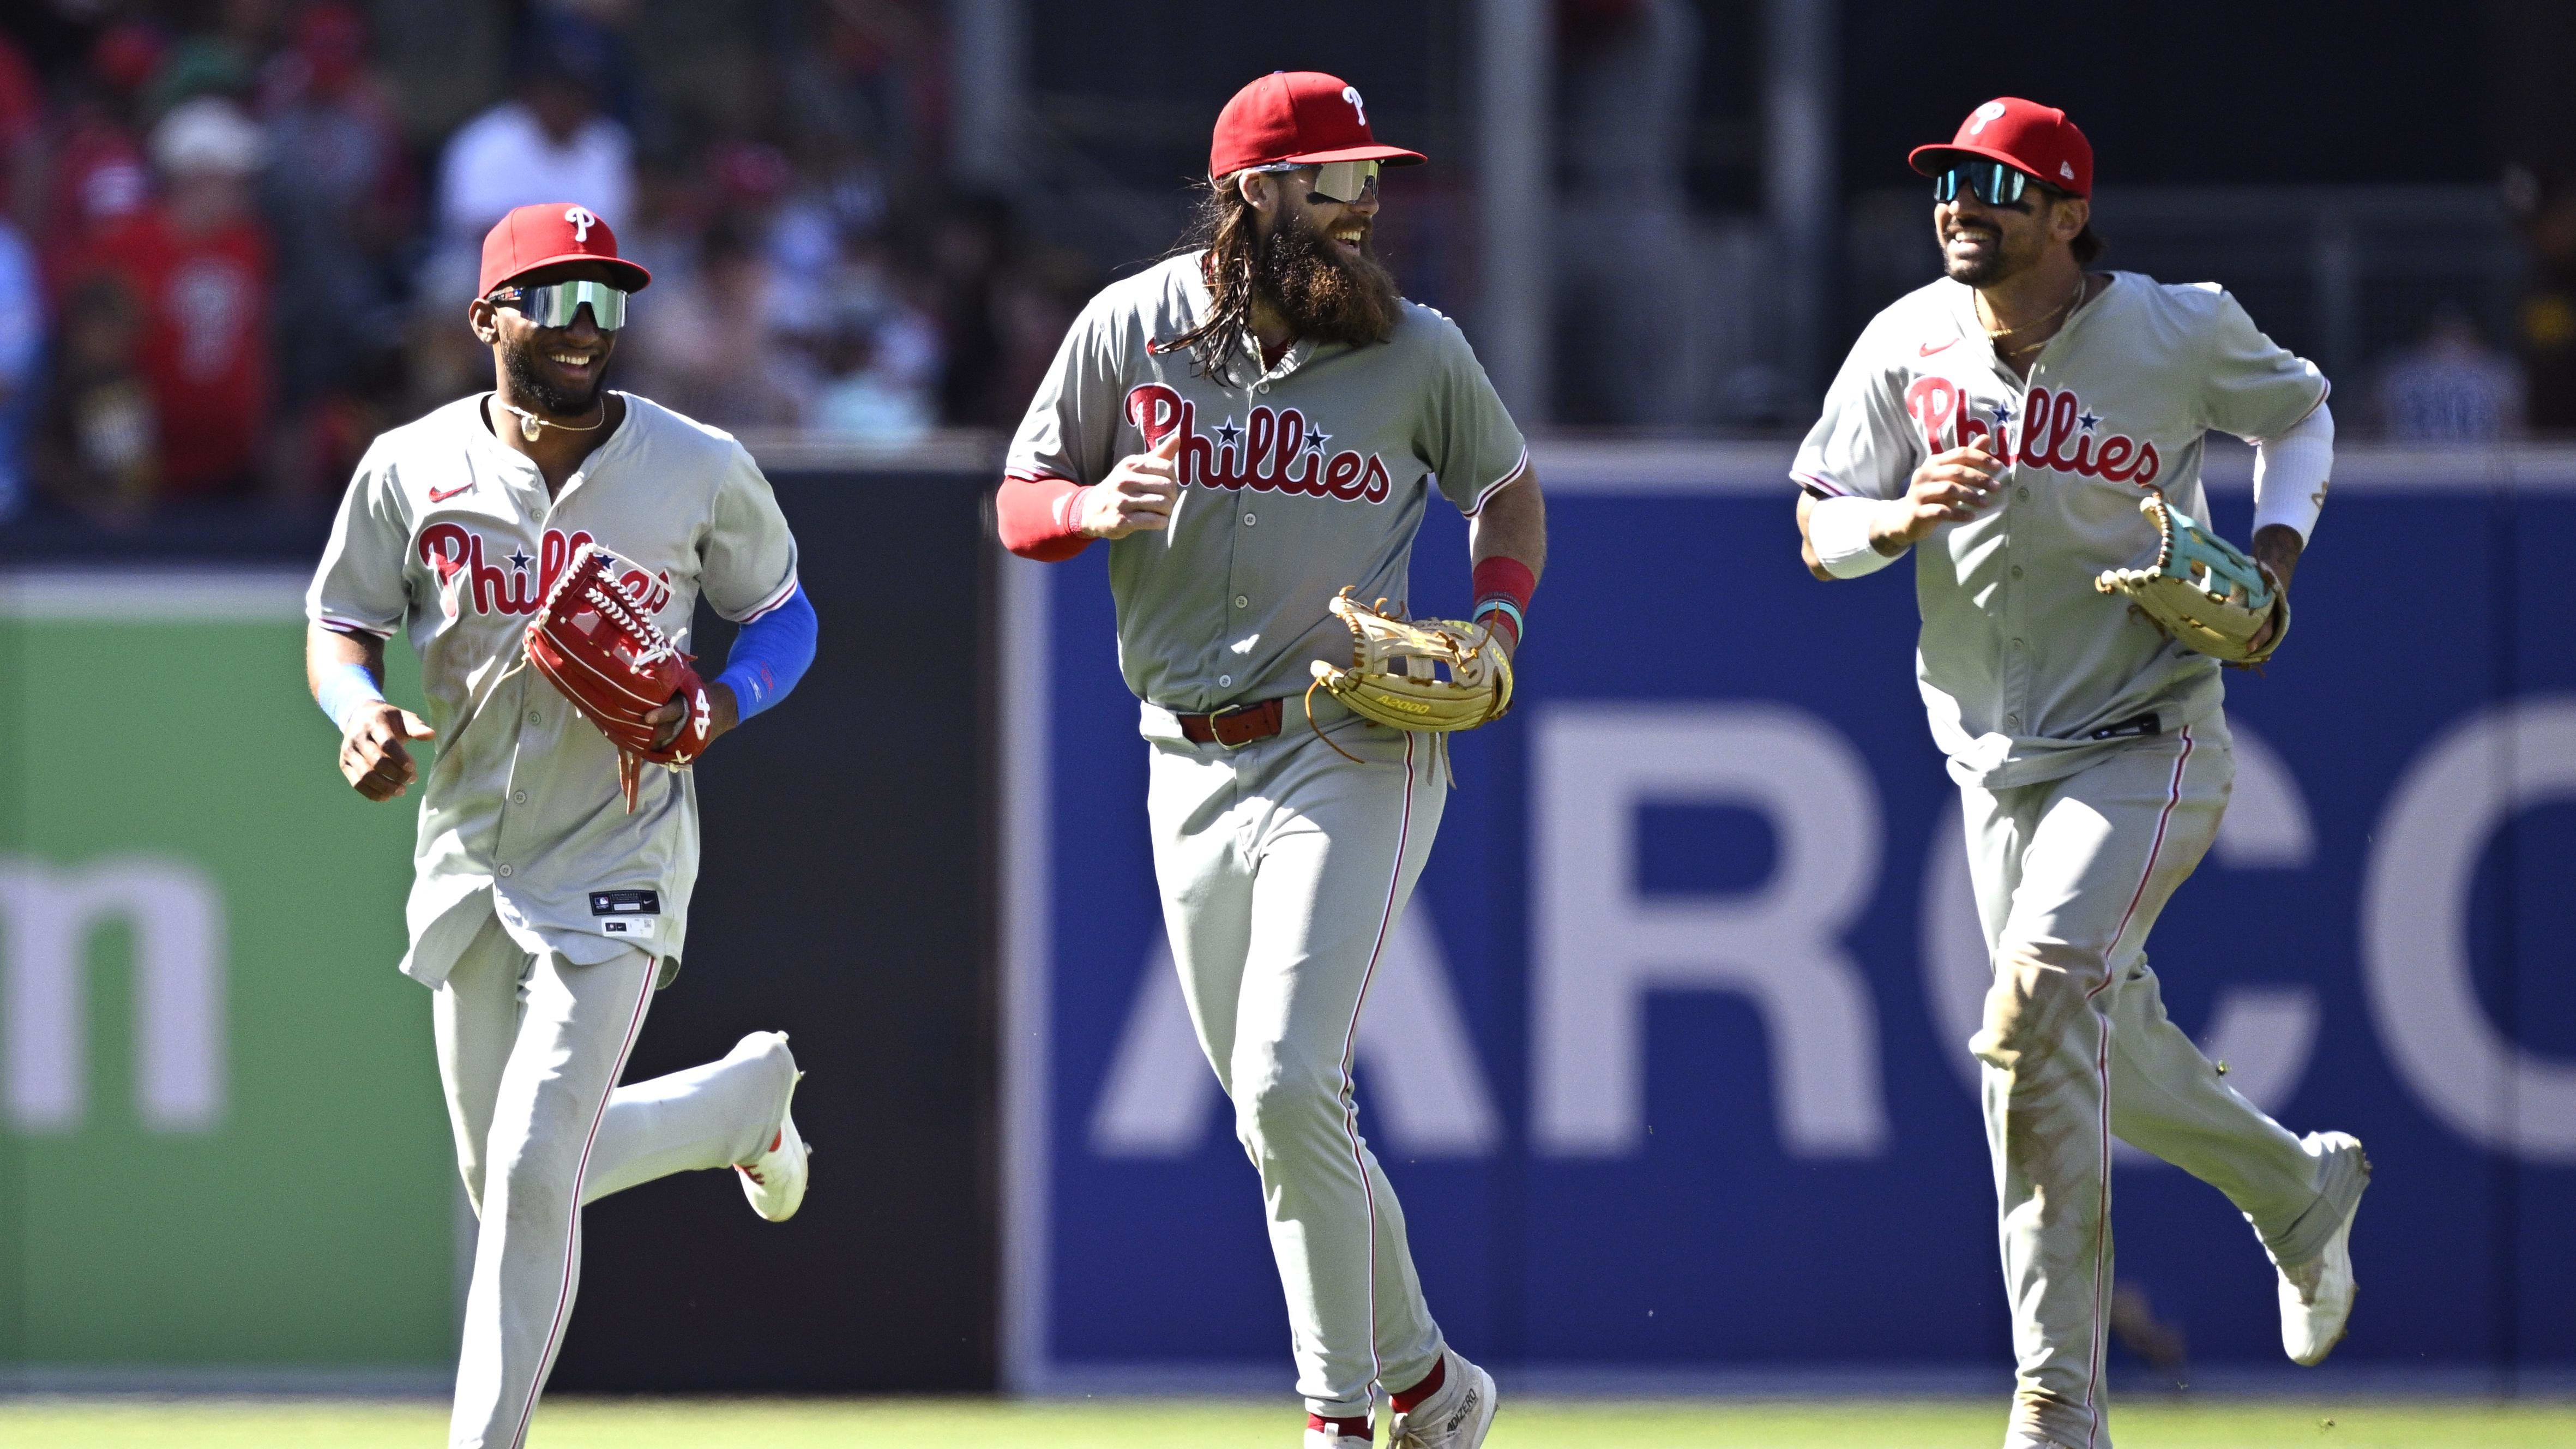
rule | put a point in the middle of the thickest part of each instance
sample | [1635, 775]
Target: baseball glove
[594, 640]
[1394, 677]
[2202, 590]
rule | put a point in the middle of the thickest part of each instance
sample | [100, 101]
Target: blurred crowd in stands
[229, 254]
[237, 237]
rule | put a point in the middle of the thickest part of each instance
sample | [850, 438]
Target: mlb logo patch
[626, 903]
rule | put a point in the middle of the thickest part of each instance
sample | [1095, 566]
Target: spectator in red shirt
[197, 261]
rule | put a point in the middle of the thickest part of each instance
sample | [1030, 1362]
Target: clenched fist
[1138, 494]
[1952, 488]
[372, 757]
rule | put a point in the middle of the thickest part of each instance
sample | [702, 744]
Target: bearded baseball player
[543, 546]
[1257, 424]
[2007, 423]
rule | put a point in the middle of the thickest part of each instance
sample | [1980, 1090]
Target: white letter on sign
[2415, 928]
[2265, 1034]
[1599, 946]
[176, 915]
[1426, 1091]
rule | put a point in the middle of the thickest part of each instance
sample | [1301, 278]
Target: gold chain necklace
[530, 424]
[1995, 335]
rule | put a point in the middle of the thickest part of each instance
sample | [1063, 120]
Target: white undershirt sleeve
[1839, 530]
[2290, 474]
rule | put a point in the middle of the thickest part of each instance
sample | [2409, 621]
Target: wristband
[1838, 529]
[1503, 586]
[343, 688]
[1504, 578]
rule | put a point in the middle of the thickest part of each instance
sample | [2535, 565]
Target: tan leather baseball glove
[2202, 590]
[597, 645]
[1396, 675]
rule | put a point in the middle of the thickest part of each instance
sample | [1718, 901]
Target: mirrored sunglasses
[1346, 181]
[1991, 182]
[1342, 181]
[556, 304]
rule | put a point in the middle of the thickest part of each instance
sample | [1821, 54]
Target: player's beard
[545, 398]
[1325, 293]
[2003, 260]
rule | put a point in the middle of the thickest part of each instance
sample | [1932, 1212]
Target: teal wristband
[343, 689]
[1500, 605]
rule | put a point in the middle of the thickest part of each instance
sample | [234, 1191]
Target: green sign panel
[222, 1144]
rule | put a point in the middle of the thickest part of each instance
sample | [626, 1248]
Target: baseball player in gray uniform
[543, 913]
[2004, 423]
[1258, 422]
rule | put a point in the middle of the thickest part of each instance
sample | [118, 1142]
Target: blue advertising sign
[1667, 1061]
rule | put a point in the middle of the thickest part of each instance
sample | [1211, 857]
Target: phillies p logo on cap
[2025, 135]
[1300, 117]
[549, 232]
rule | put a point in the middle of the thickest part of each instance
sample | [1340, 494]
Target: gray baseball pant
[1283, 868]
[2076, 1049]
[530, 1048]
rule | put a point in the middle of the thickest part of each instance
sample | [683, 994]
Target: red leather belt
[1234, 726]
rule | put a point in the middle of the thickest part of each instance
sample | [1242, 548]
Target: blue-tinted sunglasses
[1991, 182]
[556, 304]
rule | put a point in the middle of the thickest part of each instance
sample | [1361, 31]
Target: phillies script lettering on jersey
[453, 550]
[1274, 451]
[2058, 433]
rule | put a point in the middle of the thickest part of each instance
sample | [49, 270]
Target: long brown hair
[1224, 227]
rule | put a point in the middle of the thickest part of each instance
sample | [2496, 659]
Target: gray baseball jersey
[2028, 671]
[1309, 477]
[448, 535]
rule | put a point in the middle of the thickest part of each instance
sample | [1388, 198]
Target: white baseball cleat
[2316, 1296]
[775, 1180]
[1457, 1417]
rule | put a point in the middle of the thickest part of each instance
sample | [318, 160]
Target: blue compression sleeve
[770, 654]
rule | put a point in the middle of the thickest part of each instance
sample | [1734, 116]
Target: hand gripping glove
[1394, 676]
[596, 643]
[2202, 590]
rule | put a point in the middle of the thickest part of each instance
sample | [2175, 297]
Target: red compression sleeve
[1508, 580]
[1035, 518]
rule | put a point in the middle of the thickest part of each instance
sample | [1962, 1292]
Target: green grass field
[573, 1423]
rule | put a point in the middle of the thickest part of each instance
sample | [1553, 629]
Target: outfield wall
[223, 1158]
[1667, 1063]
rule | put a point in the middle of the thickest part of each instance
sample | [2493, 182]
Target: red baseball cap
[2024, 135]
[1304, 116]
[549, 232]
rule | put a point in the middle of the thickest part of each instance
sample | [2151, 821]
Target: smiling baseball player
[2006, 423]
[552, 876]
[1257, 423]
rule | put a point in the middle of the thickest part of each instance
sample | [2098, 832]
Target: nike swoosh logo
[437, 497]
[1926, 349]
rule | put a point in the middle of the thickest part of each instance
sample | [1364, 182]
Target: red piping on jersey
[338, 625]
[770, 605]
[1034, 512]
[2102, 1081]
[572, 1230]
[1519, 467]
[1350, 1044]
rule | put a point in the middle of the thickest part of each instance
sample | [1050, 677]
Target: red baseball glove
[596, 643]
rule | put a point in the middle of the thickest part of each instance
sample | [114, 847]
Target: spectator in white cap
[197, 262]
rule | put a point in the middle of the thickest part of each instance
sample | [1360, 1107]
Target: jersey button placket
[2016, 670]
